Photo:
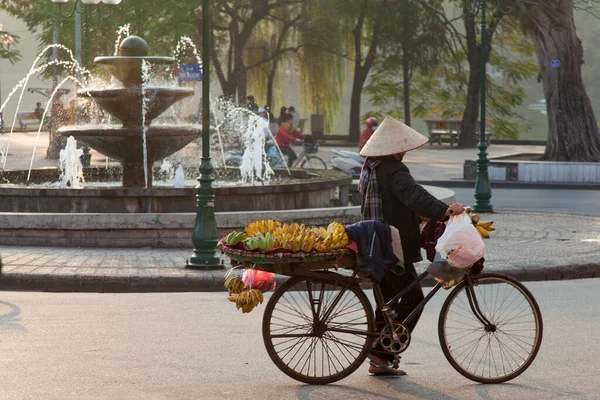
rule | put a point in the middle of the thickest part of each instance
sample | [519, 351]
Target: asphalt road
[197, 346]
[583, 202]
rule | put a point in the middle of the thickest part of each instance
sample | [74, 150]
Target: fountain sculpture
[135, 105]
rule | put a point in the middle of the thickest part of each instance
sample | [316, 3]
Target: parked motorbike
[348, 161]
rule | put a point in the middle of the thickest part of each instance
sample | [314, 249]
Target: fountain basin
[304, 189]
[155, 229]
[127, 144]
[125, 104]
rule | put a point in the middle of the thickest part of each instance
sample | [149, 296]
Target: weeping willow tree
[273, 42]
[322, 60]
[302, 39]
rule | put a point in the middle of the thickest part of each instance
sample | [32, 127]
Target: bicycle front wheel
[501, 348]
[314, 162]
[317, 331]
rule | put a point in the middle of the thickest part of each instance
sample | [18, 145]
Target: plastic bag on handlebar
[257, 279]
[461, 245]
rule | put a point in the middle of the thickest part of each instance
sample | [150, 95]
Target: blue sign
[189, 72]
[554, 63]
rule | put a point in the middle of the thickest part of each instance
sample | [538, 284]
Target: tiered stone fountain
[138, 214]
[135, 105]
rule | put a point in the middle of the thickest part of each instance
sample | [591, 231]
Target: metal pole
[483, 193]
[78, 33]
[205, 237]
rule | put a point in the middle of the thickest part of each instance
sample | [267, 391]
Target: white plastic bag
[461, 245]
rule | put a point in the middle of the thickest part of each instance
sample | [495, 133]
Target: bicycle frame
[388, 313]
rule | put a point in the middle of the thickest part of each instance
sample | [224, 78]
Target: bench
[27, 118]
[450, 128]
[439, 128]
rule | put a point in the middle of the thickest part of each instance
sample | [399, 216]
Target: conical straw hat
[392, 137]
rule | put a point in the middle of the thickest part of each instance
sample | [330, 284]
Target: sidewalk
[528, 246]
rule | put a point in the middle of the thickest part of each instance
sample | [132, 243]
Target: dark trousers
[290, 153]
[391, 285]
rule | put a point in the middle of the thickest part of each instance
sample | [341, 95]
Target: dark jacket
[374, 242]
[403, 202]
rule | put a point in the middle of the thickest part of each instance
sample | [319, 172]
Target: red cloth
[283, 137]
[364, 137]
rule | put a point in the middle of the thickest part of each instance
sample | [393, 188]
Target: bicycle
[319, 326]
[307, 159]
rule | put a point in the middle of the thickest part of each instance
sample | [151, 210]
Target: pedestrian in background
[367, 132]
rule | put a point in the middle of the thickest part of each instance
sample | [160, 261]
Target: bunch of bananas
[483, 227]
[234, 285]
[295, 237]
[262, 226]
[260, 242]
[246, 299]
[235, 237]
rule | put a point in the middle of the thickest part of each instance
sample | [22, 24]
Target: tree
[234, 23]
[573, 129]
[412, 39]
[6, 41]
[455, 86]
[367, 17]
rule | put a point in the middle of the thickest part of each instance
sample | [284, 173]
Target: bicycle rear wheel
[501, 350]
[313, 162]
[316, 331]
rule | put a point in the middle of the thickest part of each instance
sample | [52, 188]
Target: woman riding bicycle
[390, 193]
[285, 135]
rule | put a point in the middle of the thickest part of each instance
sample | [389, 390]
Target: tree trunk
[357, 86]
[573, 129]
[468, 125]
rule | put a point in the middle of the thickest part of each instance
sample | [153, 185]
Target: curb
[212, 281]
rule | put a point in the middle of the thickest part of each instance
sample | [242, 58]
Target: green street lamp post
[483, 192]
[204, 236]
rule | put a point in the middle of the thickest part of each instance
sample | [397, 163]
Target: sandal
[386, 370]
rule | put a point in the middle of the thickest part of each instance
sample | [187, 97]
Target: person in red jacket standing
[285, 135]
[367, 132]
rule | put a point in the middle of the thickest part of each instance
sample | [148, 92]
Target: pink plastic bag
[257, 279]
[460, 244]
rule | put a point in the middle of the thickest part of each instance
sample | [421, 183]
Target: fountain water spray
[44, 117]
[145, 79]
[122, 31]
[70, 165]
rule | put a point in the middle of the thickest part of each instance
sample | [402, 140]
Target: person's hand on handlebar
[455, 209]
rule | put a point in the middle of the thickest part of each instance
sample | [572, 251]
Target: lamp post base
[483, 192]
[204, 237]
[203, 261]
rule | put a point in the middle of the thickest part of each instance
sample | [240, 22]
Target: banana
[487, 225]
[482, 232]
[229, 282]
[233, 297]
